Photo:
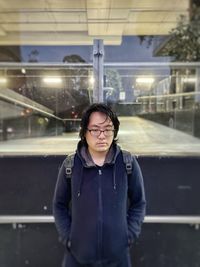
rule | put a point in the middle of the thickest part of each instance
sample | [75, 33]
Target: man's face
[99, 142]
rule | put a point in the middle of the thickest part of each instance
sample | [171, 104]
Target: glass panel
[160, 96]
[158, 106]
[39, 103]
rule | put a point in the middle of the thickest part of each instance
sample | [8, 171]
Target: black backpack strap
[128, 160]
[69, 163]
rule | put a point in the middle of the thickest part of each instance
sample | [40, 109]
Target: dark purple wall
[172, 188]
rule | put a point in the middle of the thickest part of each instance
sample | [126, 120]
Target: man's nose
[101, 135]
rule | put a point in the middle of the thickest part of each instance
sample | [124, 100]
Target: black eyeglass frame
[111, 131]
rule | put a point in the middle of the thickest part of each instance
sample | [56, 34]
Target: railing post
[197, 85]
[98, 60]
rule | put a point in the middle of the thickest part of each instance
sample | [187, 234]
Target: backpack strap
[69, 163]
[128, 160]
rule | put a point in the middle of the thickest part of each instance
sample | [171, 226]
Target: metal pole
[197, 86]
[98, 61]
[7, 219]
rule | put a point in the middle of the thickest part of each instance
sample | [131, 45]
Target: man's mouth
[101, 144]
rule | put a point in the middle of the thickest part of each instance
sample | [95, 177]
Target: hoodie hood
[87, 161]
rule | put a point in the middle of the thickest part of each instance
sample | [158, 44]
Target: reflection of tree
[113, 80]
[184, 45]
[73, 59]
[78, 77]
[75, 92]
[33, 56]
[184, 40]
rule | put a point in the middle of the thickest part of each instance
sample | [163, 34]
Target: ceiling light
[147, 80]
[52, 80]
[189, 80]
[3, 80]
[91, 80]
[23, 71]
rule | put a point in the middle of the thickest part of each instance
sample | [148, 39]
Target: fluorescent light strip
[52, 80]
[145, 80]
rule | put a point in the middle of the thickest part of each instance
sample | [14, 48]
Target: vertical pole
[179, 90]
[197, 87]
[29, 126]
[196, 106]
[98, 60]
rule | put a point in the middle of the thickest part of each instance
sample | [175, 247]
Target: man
[97, 228]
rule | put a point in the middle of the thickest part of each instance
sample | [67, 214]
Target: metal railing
[52, 65]
[10, 219]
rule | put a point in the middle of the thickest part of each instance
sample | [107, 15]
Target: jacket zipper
[100, 216]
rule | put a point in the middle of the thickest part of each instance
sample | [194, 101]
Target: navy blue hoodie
[99, 211]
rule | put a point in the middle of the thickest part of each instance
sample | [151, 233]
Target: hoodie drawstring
[114, 177]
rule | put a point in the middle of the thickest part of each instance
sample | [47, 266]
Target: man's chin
[102, 149]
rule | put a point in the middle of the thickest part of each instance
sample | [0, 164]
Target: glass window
[40, 104]
[151, 75]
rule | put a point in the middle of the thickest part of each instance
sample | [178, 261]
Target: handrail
[152, 64]
[14, 219]
[38, 65]
[7, 219]
[52, 65]
[173, 219]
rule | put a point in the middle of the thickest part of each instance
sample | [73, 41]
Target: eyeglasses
[97, 132]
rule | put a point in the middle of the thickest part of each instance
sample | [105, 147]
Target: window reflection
[42, 102]
[47, 100]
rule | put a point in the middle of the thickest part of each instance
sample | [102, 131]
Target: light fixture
[3, 80]
[52, 80]
[91, 80]
[23, 71]
[189, 80]
[146, 80]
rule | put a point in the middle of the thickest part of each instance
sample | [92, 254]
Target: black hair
[98, 107]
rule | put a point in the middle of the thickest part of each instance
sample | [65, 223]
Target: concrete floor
[142, 137]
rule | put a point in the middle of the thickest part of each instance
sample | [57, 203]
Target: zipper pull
[100, 172]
